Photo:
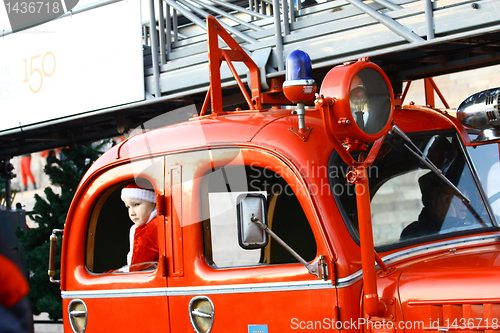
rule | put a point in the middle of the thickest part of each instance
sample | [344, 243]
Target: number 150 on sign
[35, 71]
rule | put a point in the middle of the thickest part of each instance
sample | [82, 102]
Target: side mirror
[252, 231]
[250, 234]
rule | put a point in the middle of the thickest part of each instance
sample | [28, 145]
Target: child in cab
[141, 206]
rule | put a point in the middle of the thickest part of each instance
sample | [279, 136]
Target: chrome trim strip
[349, 280]
[201, 290]
[420, 250]
[139, 292]
[281, 286]
[445, 245]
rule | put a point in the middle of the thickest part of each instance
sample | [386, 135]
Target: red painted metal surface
[436, 281]
[215, 58]
[262, 138]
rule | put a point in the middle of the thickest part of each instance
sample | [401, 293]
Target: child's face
[139, 210]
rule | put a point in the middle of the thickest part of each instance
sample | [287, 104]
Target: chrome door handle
[198, 313]
[76, 313]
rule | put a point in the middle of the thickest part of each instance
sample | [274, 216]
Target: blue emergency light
[298, 66]
[299, 86]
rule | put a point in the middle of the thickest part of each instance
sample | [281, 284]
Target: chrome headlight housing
[482, 111]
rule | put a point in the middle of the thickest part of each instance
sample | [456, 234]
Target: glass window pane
[408, 200]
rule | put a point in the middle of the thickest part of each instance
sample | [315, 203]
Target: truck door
[215, 284]
[101, 291]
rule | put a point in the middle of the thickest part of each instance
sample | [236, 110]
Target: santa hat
[132, 191]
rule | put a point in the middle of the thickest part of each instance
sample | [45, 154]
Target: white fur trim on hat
[138, 193]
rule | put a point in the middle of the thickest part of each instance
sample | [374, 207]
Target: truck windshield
[486, 161]
[408, 201]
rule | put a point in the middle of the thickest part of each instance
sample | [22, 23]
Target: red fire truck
[348, 212]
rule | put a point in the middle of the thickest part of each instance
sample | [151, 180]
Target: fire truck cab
[349, 214]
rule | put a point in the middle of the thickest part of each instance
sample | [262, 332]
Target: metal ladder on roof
[330, 31]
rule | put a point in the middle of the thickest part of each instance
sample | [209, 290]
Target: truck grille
[459, 315]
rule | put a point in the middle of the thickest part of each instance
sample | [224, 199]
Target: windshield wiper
[422, 158]
[428, 163]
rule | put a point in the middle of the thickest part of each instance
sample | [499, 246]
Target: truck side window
[108, 241]
[285, 217]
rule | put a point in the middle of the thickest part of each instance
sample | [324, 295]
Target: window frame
[257, 158]
[106, 183]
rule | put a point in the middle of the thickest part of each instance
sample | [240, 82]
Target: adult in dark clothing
[439, 202]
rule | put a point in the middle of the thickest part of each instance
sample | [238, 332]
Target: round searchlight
[364, 99]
